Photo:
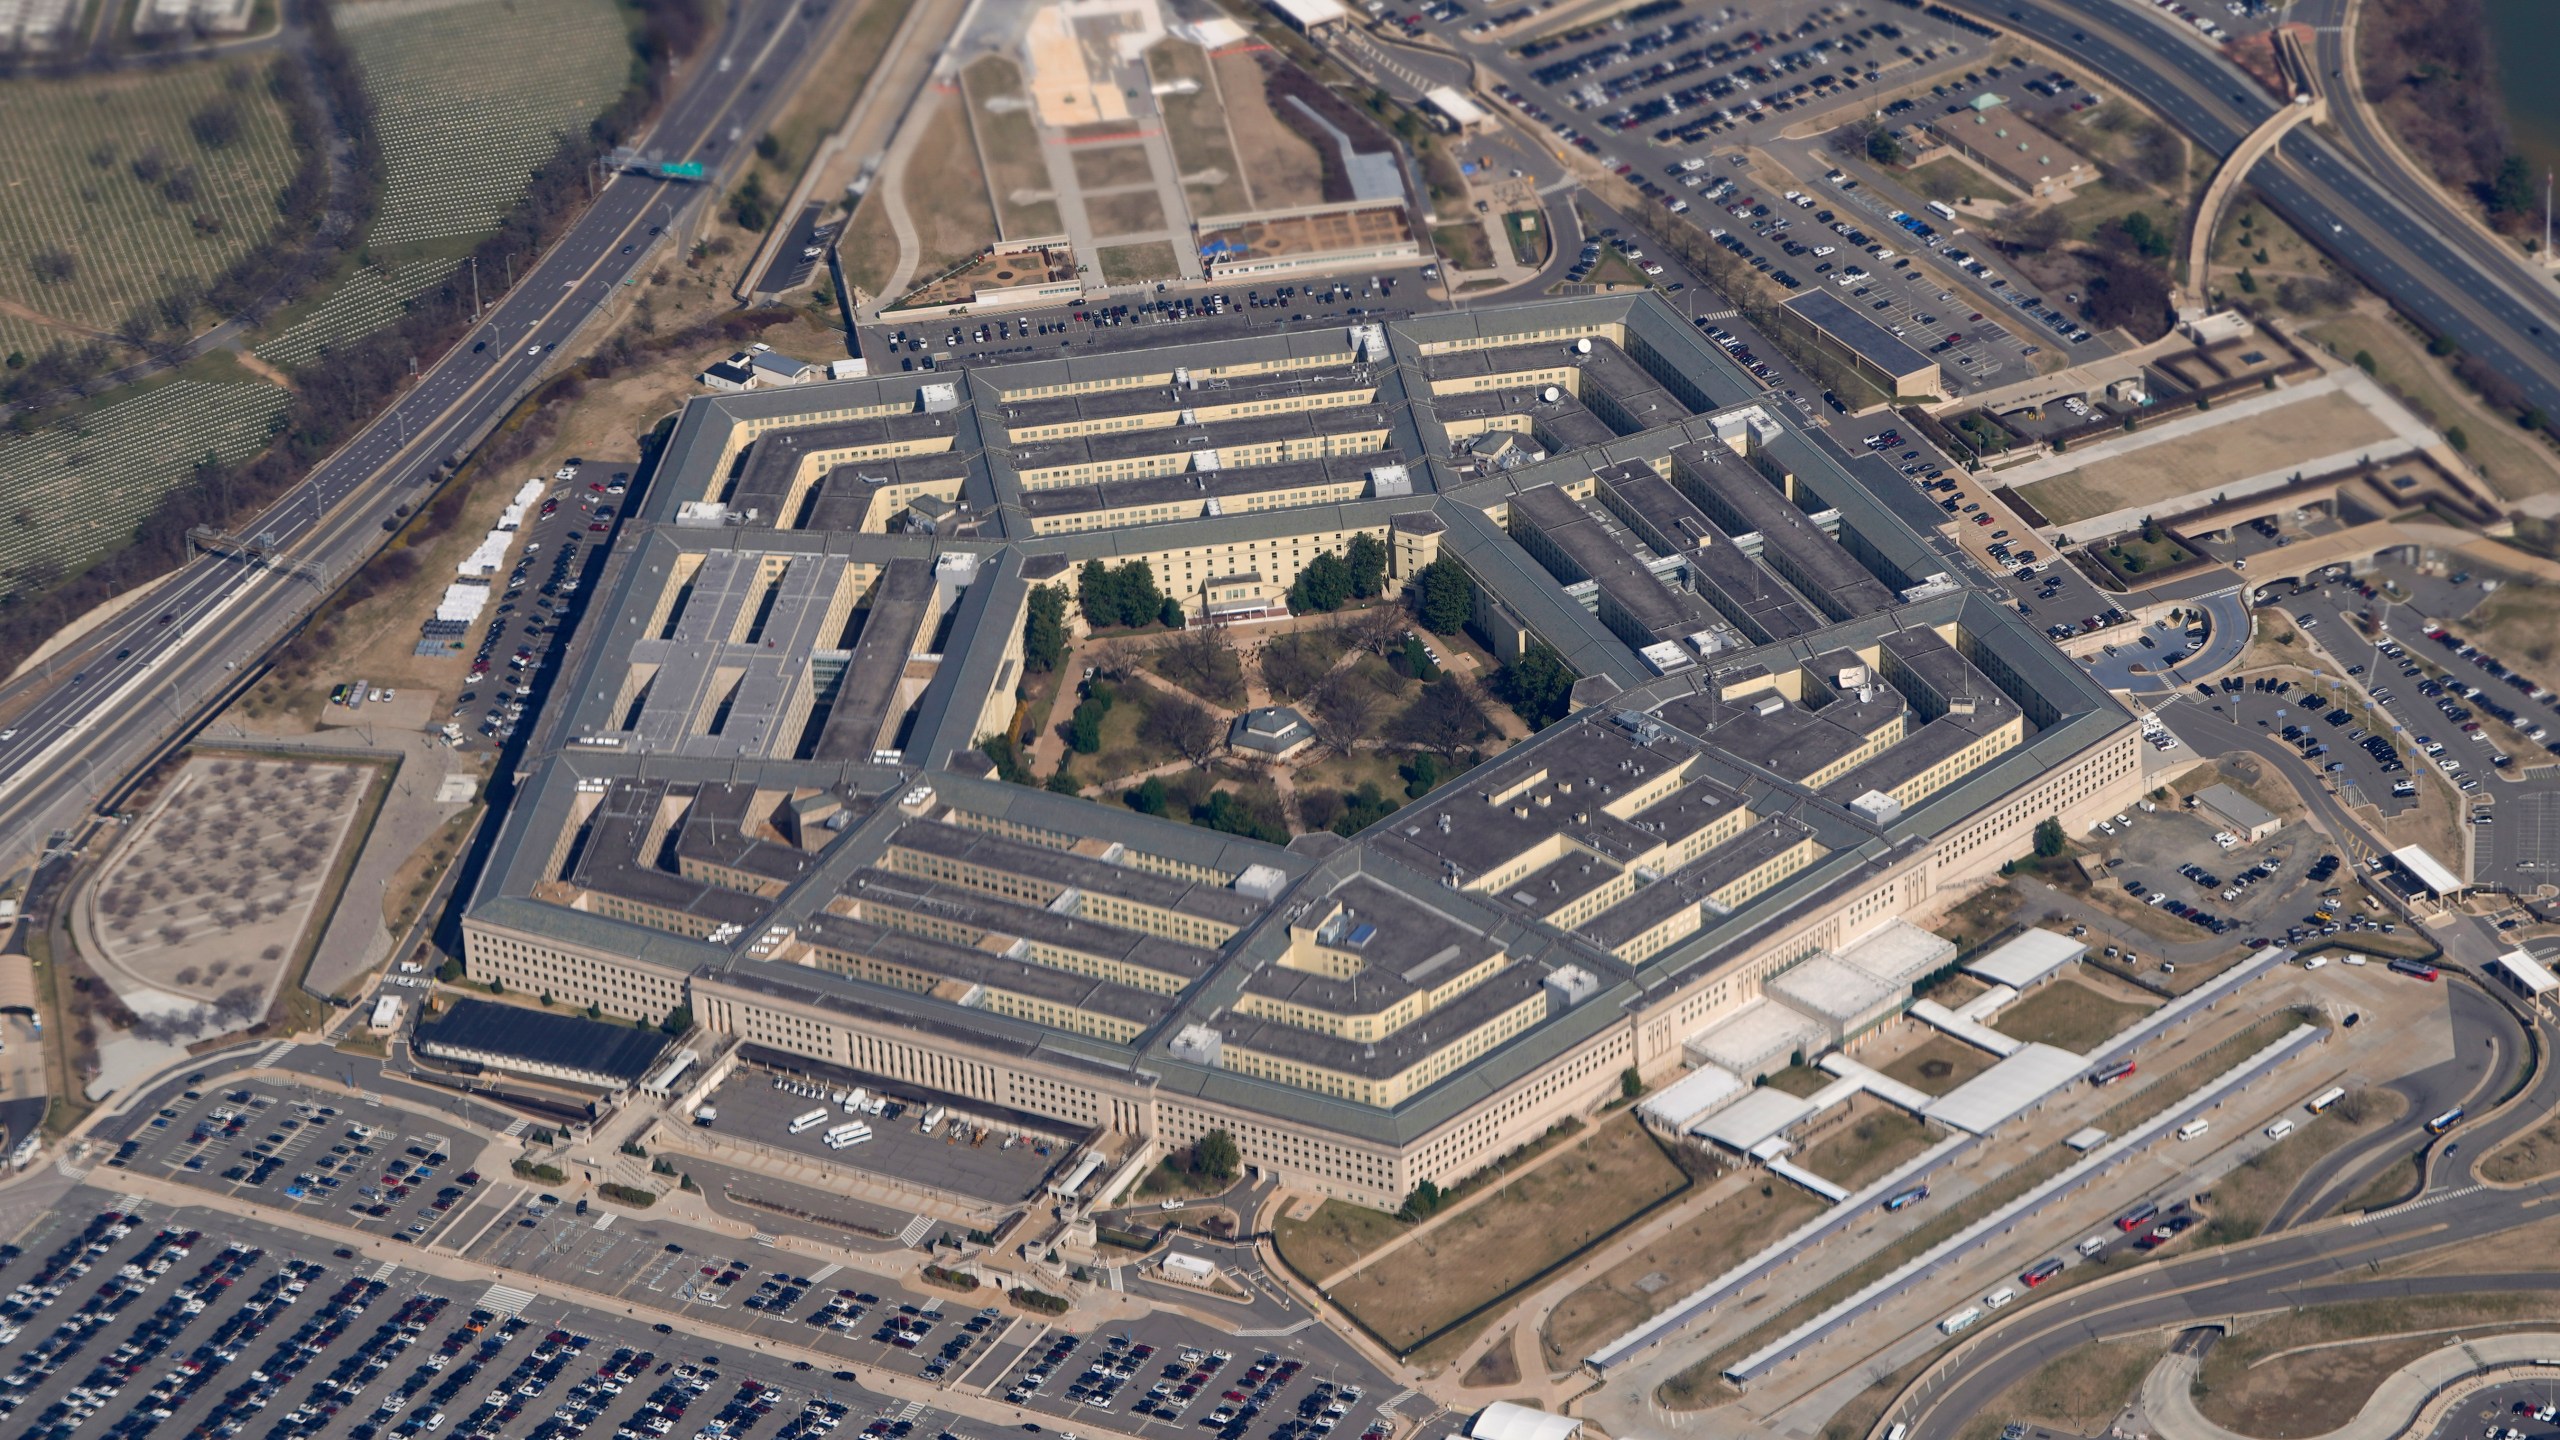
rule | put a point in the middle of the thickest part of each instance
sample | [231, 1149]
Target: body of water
[2526, 37]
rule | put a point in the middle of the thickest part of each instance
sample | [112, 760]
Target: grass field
[1196, 124]
[2195, 463]
[869, 247]
[2068, 1016]
[1511, 1235]
[1132, 212]
[459, 139]
[2080, 1392]
[74, 153]
[822, 100]
[76, 488]
[946, 192]
[1937, 1065]
[2250, 1384]
[1130, 264]
[1335, 1236]
[1714, 1240]
[1105, 167]
[1866, 1147]
[1002, 115]
[1280, 169]
[2514, 462]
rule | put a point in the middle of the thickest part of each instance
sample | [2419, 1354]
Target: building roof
[2427, 870]
[17, 983]
[2027, 959]
[2006, 1090]
[1871, 342]
[2531, 975]
[1311, 13]
[1503, 1420]
[2235, 807]
[512, 1036]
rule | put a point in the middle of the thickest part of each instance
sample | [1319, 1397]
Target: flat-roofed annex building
[761, 794]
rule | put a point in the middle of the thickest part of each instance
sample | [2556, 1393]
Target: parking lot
[978, 1156]
[540, 598]
[1221, 310]
[230, 1322]
[251, 1324]
[365, 1164]
[2284, 888]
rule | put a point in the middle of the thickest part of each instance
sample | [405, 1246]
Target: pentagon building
[757, 791]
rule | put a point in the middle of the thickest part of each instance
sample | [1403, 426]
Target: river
[2526, 35]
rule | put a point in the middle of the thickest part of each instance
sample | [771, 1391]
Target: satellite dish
[1582, 347]
[1551, 394]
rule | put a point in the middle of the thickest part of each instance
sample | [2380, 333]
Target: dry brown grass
[1136, 212]
[1011, 148]
[2081, 1392]
[1874, 1139]
[1280, 169]
[2281, 435]
[2068, 1015]
[1103, 167]
[2245, 1197]
[946, 192]
[2534, 1154]
[1335, 1236]
[1712, 1241]
[1937, 1065]
[1196, 124]
[1510, 1236]
[2315, 1391]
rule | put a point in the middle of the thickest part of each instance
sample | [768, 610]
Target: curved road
[144, 673]
[2325, 1263]
[2395, 231]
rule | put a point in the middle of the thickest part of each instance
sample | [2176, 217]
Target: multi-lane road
[2394, 229]
[79, 722]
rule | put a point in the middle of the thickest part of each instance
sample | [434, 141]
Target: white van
[1998, 1298]
[1960, 1321]
[2093, 1245]
[2280, 1129]
[2194, 1128]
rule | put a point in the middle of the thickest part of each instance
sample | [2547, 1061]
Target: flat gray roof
[1872, 342]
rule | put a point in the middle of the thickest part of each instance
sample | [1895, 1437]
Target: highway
[2394, 231]
[2298, 1262]
[127, 688]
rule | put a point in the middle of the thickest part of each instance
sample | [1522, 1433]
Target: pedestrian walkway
[275, 1052]
[505, 1300]
[916, 1230]
[386, 1270]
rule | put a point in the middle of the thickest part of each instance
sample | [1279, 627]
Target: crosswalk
[506, 1300]
[823, 1271]
[518, 1128]
[917, 1229]
[275, 1052]
[911, 1410]
[1114, 1274]
[386, 1270]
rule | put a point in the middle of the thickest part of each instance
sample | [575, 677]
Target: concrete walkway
[2411, 1401]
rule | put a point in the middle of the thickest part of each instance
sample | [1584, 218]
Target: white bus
[1961, 1320]
[2325, 1099]
[1942, 209]
[811, 1120]
[846, 1139]
[2194, 1128]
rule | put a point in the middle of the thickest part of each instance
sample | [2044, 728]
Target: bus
[2415, 969]
[810, 1121]
[2445, 1121]
[1942, 209]
[1908, 1198]
[1961, 1320]
[2325, 1099]
[2110, 1074]
[2137, 1217]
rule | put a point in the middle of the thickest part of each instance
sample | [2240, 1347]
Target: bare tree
[1380, 630]
[1344, 711]
[1200, 661]
[1293, 664]
[1444, 719]
[1186, 725]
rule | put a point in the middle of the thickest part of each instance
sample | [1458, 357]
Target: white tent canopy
[1503, 1420]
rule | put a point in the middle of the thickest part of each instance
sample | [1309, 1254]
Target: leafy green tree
[1538, 686]
[2049, 837]
[2511, 190]
[1362, 808]
[1148, 797]
[1448, 596]
[1063, 782]
[1425, 1200]
[1230, 814]
[1882, 148]
[1630, 1083]
[1044, 629]
[1006, 755]
[1420, 774]
[1084, 728]
[678, 1021]
[1097, 594]
[1322, 586]
[1366, 557]
[1417, 660]
[1216, 1157]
